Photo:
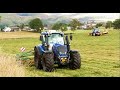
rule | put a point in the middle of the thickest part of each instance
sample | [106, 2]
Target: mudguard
[41, 50]
[74, 51]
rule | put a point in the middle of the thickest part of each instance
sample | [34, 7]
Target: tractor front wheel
[48, 62]
[37, 59]
[75, 60]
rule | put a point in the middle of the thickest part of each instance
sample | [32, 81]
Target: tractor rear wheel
[93, 34]
[37, 59]
[48, 62]
[75, 60]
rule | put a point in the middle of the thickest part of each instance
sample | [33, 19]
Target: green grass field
[100, 55]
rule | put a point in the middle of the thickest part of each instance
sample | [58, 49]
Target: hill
[49, 18]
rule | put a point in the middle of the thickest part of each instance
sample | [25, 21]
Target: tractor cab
[50, 38]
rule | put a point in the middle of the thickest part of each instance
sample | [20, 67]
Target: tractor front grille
[62, 49]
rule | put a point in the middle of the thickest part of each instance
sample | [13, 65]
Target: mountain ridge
[18, 18]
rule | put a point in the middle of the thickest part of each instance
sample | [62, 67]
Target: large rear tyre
[75, 60]
[93, 34]
[37, 59]
[48, 62]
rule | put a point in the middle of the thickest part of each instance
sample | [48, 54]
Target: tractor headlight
[63, 60]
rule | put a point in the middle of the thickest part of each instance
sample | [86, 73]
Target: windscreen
[56, 39]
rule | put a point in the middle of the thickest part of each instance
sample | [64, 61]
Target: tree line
[74, 24]
[38, 25]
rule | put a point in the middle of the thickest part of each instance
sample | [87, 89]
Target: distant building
[26, 28]
[15, 28]
[88, 25]
[7, 29]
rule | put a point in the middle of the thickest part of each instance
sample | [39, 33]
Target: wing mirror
[41, 38]
[71, 36]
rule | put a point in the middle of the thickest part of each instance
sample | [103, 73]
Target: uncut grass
[9, 67]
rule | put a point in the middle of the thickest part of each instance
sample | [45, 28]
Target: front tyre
[75, 60]
[37, 59]
[48, 62]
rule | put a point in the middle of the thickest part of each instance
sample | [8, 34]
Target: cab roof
[51, 32]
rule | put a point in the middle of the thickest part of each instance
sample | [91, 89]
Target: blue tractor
[55, 49]
[95, 32]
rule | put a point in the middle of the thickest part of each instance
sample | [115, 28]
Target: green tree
[74, 24]
[108, 24]
[116, 24]
[56, 26]
[63, 27]
[99, 24]
[36, 24]
[60, 26]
